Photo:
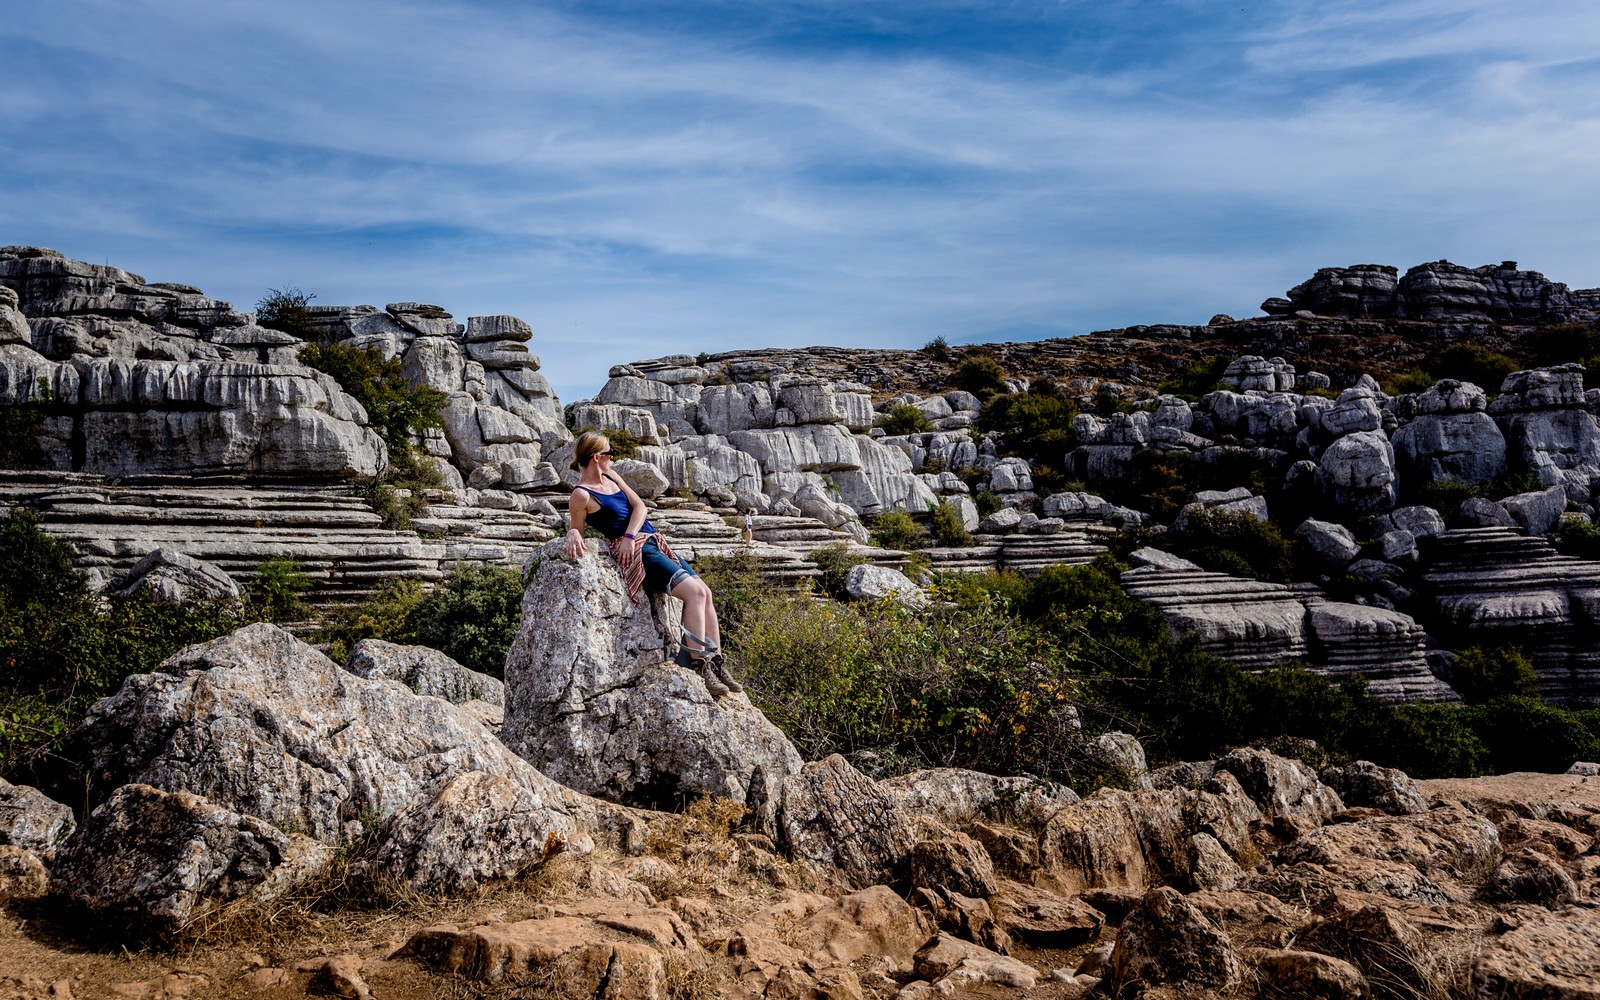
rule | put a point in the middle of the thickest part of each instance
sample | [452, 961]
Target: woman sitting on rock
[644, 558]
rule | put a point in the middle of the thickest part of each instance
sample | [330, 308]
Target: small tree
[285, 309]
[980, 373]
[903, 418]
[945, 521]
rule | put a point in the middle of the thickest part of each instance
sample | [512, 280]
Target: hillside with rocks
[252, 817]
[365, 832]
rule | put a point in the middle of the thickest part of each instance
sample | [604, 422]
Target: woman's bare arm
[577, 517]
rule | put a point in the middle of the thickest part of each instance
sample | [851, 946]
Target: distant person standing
[749, 527]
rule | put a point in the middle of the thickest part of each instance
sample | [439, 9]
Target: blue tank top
[611, 520]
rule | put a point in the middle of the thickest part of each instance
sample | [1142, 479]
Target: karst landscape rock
[599, 824]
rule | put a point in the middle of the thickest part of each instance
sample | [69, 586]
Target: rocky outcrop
[593, 700]
[1495, 586]
[424, 671]
[31, 820]
[154, 861]
[168, 575]
[264, 725]
[1258, 624]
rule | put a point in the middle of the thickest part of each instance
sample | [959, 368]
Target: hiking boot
[719, 666]
[713, 678]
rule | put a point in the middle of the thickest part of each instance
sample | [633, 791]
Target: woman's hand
[575, 546]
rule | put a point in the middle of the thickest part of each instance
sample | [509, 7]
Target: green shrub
[736, 582]
[286, 309]
[895, 530]
[63, 647]
[385, 614]
[903, 418]
[1474, 363]
[1562, 343]
[1036, 426]
[1524, 734]
[938, 349]
[473, 618]
[835, 561]
[1239, 544]
[20, 426]
[396, 409]
[966, 687]
[277, 593]
[980, 373]
[987, 502]
[1578, 537]
[944, 519]
[1415, 380]
[395, 512]
[1197, 379]
[1481, 675]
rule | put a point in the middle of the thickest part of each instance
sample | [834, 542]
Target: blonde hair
[588, 445]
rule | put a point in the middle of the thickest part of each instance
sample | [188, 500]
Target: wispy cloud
[701, 176]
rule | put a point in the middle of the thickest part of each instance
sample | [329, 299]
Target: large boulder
[263, 724]
[31, 820]
[955, 795]
[1358, 471]
[868, 582]
[166, 574]
[1451, 437]
[1280, 786]
[1166, 941]
[836, 818]
[593, 701]
[424, 670]
[150, 861]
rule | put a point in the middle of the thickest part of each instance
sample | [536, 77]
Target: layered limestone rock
[1257, 624]
[1495, 587]
[593, 699]
[230, 530]
[157, 380]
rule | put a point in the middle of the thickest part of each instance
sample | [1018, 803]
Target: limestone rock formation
[956, 795]
[167, 574]
[833, 816]
[593, 700]
[262, 724]
[1166, 941]
[425, 671]
[155, 861]
[31, 820]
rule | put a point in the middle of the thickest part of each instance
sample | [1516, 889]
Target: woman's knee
[692, 590]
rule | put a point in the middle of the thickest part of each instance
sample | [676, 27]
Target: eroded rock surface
[592, 699]
[263, 724]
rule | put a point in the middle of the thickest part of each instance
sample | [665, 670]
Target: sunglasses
[602, 454]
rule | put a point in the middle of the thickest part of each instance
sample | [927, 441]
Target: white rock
[592, 701]
[166, 574]
[868, 582]
[425, 671]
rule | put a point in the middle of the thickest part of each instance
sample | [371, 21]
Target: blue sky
[638, 179]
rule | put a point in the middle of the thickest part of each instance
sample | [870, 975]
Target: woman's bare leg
[699, 615]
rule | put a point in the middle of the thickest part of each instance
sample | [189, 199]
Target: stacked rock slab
[335, 538]
[153, 379]
[1257, 624]
[1498, 587]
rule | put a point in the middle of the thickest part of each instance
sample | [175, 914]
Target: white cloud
[633, 193]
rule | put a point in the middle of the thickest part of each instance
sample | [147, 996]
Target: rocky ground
[263, 822]
[1473, 896]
